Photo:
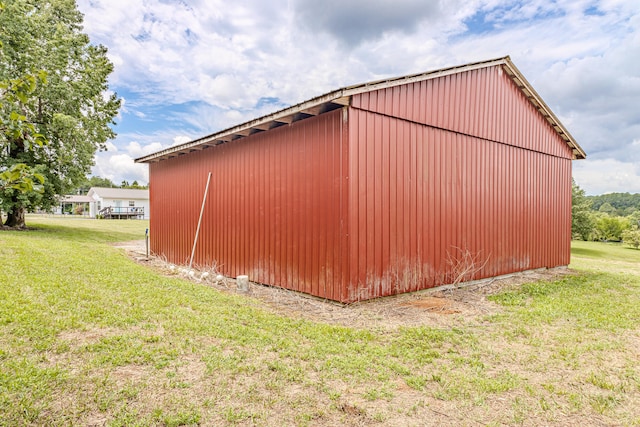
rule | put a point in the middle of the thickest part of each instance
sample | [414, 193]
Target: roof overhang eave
[342, 97]
[543, 108]
[312, 107]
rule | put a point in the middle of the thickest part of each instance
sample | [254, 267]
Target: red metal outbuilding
[376, 189]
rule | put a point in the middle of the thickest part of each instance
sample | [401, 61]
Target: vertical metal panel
[486, 175]
[274, 211]
[485, 103]
[449, 193]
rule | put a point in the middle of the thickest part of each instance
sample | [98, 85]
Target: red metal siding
[377, 198]
[485, 103]
[275, 208]
[426, 194]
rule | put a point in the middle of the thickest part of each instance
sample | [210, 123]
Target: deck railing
[120, 212]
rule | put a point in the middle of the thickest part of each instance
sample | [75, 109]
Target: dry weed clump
[464, 265]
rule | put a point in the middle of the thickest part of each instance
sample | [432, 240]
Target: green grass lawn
[89, 337]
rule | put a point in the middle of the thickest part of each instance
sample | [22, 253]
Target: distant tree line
[96, 181]
[620, 204]
[607, 217]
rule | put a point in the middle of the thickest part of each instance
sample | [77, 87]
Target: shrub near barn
[610, 217]
[631, 237]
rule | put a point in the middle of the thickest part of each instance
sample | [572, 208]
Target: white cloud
[180, 139]
[135, 150]
[219, 59]
[119, 167]
[607, 176]
[110, 146]
[355, 21]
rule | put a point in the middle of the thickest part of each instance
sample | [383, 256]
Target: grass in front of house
[89, 337]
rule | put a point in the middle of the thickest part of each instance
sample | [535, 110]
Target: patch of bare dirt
[443, 306]
[79, 338]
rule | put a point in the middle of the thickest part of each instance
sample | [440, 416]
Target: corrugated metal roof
[119, 193]
[338, 98]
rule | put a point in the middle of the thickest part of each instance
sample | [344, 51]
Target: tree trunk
[15, 218]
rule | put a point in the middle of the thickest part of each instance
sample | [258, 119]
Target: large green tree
[73, 110]
[610, 228]
[582, 223]
[631, 236]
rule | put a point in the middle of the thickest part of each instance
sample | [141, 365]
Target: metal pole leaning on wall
[195, 239]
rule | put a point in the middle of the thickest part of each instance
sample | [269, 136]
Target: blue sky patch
[477, 24]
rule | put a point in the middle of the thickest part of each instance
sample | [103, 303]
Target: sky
[188, 68]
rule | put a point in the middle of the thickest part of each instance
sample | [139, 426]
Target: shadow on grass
[588, 252]
[80, 234]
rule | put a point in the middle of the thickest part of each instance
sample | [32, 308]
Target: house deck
[122, 212]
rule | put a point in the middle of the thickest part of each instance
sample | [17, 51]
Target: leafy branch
[14, 121]
[15, 126]
[20, 177]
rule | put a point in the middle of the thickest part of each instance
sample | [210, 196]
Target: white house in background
[119, 203]
[74, 204]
